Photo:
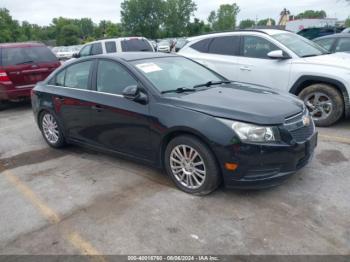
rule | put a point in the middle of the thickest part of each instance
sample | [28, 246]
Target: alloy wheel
[50, 128]
[187, 166]
[320, 105]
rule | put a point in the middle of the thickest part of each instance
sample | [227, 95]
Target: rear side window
[27, 55]
[257, 47]
[96, 49]
[134, 45]
[226, 45]
[111, 47]
[343, 45]
[77, 75]
[202, 46]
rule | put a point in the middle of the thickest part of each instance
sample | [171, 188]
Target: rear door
[28, 65]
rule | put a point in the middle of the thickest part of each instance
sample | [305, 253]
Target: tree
[225, 18]
[248, 23]
[198, 27]
[69, 35]
[9, 28]
[312, 14]
[347, 21]
[141, 17]
[177, 16]
[86, 27]
[265, 22]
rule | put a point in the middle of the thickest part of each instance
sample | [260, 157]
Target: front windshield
[172, 73]
[300, 45]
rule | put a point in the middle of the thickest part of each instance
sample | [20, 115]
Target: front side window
[226, 45]
[85, 51]
[113, 78]
[111, 47]
[77, 75]
[326, 43]
[171, 73]
[301, 46]
[257, 47]
[96, 49]
[27, 55]
[59, 79]
[202, 46]
[343, 45]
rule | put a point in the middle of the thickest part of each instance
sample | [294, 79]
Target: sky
[42, 11]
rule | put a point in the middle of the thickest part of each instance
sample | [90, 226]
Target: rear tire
[191, 165]
[325, 103]
[51, 130]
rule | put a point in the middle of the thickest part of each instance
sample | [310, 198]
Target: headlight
[253, 133]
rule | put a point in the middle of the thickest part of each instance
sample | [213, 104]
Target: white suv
[116, 45]
[280, 60]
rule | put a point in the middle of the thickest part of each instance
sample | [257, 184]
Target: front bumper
[263, 166]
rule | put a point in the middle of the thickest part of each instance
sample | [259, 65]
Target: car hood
[242, 102]
[339, 60]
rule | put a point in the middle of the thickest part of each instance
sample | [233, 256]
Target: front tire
[191, 165]
[51, 130]
[325, 103]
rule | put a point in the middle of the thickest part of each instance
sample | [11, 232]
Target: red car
[22, 65]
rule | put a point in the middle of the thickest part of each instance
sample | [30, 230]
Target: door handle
[98, 108]
[245, 68]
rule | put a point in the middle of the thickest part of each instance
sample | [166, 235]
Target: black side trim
[298, 86]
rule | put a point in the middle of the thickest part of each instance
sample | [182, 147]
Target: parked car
[169, 111]
[164, 46]
[22, 65]
[117, 45]
[180, 43]
[335, 43]
[283, 61]
[66, 52]
[312, 33]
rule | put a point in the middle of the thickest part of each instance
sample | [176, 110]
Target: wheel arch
[305, 81]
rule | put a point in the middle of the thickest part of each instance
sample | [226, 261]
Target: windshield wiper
[26, 62]
[179, 90]
[212, 83]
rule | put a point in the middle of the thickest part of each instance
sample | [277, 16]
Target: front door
[119, 124]
[256, 67]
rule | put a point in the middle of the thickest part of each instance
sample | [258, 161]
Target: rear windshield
[135, 45]
[24, 55]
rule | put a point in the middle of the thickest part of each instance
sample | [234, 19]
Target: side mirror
[134, 93]
[76, 55]
[277, 54]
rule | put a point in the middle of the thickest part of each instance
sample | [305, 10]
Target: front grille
[297, 129]
[303, 133]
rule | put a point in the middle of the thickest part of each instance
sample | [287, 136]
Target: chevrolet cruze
[173, 113]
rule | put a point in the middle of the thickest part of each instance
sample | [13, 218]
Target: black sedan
[172, 112]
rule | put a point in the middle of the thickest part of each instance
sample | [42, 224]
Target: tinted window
[21, 55]
[343, 45]
[326, 43]
[96, 49]
[112, 77]
[133, 45]
[202, 46]
[86, 51]
[226, 45]
[257, 47]
[59, 79]
[111, 47]
[77, 75]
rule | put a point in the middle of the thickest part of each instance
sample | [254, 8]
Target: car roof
[25, 44]
[340, 35]
[132, 56]
[116, 39]
[263, 31]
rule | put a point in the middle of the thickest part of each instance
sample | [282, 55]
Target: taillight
[4, 77]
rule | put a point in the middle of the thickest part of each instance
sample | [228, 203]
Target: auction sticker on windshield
[149, 67]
